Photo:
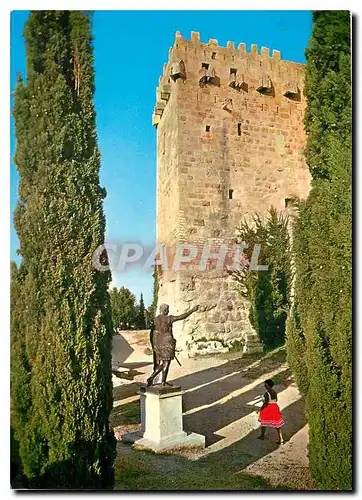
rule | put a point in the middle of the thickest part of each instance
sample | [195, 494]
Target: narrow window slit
[231, 191]
[207, 128]
[239, 128]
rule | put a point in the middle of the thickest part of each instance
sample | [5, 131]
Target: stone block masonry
[230, 144]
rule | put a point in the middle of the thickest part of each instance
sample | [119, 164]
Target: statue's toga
[163, 342]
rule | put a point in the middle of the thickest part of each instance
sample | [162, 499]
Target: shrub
[268, 292]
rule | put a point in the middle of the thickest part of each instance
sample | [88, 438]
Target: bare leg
[166, 367]
[157, 370]
[154, 361]
[280, 434]
[262, 433]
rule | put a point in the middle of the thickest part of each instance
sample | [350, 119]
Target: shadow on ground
[211, 375]
[222, 470]
[208, 420]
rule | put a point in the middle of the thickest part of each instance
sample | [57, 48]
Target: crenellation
[235, 69]
[195, 37]
[242, 48]
[205, 48]
[276, 55]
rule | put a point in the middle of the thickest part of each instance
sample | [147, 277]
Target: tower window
[231, 192]
[213, 56]
[205, 65]
[207, 128]
[233, 71]
[239, 128]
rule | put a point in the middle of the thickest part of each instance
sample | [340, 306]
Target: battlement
[195, 41]
[208, 64]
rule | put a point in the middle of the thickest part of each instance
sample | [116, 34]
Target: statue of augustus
[163, 342]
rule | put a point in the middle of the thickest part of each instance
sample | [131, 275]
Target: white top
[269, 397]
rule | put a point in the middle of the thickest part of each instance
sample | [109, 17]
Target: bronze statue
[163, 342]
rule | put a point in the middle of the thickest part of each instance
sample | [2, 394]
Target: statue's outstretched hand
[206, 308]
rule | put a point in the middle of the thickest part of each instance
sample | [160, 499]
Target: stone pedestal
[161, 421]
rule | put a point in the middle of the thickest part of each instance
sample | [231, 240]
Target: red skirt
[270, 416]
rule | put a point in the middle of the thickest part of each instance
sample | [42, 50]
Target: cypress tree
[61, 319]
[141, 314]
[322, 247]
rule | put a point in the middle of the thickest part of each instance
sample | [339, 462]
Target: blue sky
[130, 50]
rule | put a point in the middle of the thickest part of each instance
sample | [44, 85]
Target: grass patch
[126, 414]
[236, 345]
[146, 471]
[247, 358]
[277, 354]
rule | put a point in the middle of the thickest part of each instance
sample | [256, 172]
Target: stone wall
[230, 143]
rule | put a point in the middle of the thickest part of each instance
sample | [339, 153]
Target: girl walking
[269, 413]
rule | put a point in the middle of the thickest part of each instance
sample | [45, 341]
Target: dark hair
[269, 382]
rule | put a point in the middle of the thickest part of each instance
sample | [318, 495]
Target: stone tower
[230, 143]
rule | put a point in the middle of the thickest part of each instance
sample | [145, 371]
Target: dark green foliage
[328, 89]
[13, 270]
[124, 308]
[61, 326]
[141, 314]
[151, 310]
[267, 291]
[320, 333]
[295, 344]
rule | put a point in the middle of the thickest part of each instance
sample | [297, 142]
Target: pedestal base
[161, 422]
[183, 442]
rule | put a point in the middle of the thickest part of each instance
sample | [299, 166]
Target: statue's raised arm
[184, 315]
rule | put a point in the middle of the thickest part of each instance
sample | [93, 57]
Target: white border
[5, 171]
